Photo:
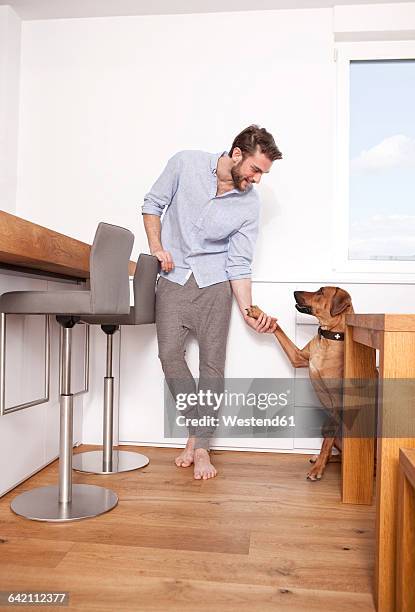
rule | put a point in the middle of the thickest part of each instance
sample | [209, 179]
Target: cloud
[383, 236]
[392, 152]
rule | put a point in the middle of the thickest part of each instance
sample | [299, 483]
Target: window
[375, 178]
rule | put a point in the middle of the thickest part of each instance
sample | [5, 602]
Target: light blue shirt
[209, 235]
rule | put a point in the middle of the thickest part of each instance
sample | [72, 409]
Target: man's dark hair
[254, 136]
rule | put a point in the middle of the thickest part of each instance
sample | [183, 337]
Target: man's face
[248, 170]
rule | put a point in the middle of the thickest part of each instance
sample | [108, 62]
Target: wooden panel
[358, 451]
[368, 337]
[28, 245]
[405, 571]
[397, 360]
[407, 463]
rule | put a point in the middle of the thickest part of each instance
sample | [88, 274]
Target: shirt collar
[214, 160]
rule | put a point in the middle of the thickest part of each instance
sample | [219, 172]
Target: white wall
[105, 102]
[375, 17]
[10, 27]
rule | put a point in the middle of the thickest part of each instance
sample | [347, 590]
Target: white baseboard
[293, 451]
[2, 493]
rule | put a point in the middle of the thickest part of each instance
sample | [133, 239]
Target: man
[205, 246]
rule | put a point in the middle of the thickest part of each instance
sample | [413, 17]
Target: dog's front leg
[299, 357]
[319, 466]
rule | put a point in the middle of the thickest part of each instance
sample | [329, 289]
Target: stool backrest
[144, 286]
[108, 263]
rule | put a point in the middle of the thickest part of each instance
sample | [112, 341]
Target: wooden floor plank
[144, 593]
[36, 552]
[277, 569]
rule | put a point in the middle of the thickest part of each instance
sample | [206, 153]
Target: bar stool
[108, 294]
[109, 460]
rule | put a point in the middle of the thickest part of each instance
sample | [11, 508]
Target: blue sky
[382, 156]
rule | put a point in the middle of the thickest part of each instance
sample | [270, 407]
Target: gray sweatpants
[206, 313]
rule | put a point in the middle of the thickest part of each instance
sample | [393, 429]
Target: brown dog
[323, 356]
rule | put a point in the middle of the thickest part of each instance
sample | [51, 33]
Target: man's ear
[237, 154]
[341, 301]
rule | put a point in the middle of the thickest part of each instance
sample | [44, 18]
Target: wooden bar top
[383, 322]
[26, 245]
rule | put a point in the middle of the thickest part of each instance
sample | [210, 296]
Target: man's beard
[237, 178]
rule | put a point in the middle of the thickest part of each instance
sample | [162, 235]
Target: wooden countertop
[26, 245]
[382, 322]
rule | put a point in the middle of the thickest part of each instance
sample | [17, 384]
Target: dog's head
[326, 304]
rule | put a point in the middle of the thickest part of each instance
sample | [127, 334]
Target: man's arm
[155, 201]
[238, 270]
[152, 225]
[242, 290]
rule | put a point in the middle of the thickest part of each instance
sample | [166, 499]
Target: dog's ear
[341, 301]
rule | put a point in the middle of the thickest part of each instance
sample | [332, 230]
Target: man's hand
[263, 323]
[165, 259]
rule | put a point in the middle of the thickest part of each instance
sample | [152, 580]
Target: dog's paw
[316, 473]
[254, 312]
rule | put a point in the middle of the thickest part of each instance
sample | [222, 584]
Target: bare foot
[186, 457]
[203, 467]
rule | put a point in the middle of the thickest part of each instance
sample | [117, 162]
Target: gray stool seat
[42, 302]
[109, 460]
[109, 293]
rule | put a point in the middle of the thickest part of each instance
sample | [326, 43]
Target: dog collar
[330, 335]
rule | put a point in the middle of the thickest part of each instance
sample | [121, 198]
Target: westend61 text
[235, 421]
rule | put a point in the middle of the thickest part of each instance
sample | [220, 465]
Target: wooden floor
[258, 537]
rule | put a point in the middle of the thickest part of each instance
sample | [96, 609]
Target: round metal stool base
[42, 504]
[92, 462]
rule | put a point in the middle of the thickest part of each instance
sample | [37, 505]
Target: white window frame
[345, 53]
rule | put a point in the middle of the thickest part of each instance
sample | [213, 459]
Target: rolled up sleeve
[163, 190]
[241, 250]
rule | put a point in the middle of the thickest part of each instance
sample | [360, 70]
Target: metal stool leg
[108, 460]
[65, 502]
